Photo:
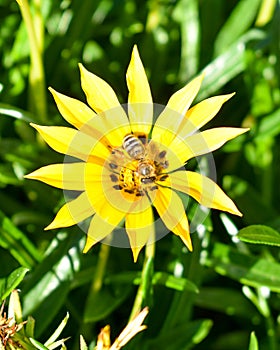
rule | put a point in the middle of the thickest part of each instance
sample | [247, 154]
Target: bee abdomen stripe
[133, 145]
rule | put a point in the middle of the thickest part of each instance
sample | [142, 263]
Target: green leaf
[226, 300]
[49, 283]
[249, 200]
[227, 65]
[236, 24]
[57, 332]
[246, 269]
[83, 345]
[176, 283]
[37, 344]
[8, 176]
[159, 278]
[17, 113]
[8, 284]
[259, 234]
[103, 303]
[183, 336]
[253, 342]
[186, 13]
[17, 243]
[269, 125]
[29, 327]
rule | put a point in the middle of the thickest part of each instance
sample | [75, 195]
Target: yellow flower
[128, 163]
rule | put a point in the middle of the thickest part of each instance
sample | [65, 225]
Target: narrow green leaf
[226, 300]
[29, 327]
[37, 344]
[236, 24]
[259, 234]
[8, 176]
[227, 65]
[183, 336]
[269, 125]
[17, 243]
[105, 302]
[14, 112]
[186, 13]
[159, 278]
[57, 332]
[177, 283]
[83, 345]
[8, 284]
[246, 269]
[253, 342]
[57, 344]
[49, 283]
[249, 200]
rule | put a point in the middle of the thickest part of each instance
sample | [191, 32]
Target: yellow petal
[100, 95]
[102, 98]
[203, 142]
[201, 113]
[171, 210]
[140, 102]
[140, 227]
[72, 142]
[73, 111]
[203, 190]
[170, 119]
[112, 125]
[181, 100]
[69, 176]
[72, 212]
[99, 229]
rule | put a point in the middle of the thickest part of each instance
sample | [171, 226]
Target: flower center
[137, 165]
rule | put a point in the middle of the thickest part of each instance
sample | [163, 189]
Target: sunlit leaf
[269, 125]
[176, 283]
[253, 342]
[8, 284]
[187, 15]
[246, 269]
[83, 345]
[259, 234]
[52, 276]
[37, 344]
[236, 24]
[57, 332]
[227, 65]
[16, 113]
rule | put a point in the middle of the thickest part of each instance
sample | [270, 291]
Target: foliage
[226, 293]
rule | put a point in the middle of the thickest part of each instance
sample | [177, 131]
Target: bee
[134, 147]
[136, 150]
[146, 172]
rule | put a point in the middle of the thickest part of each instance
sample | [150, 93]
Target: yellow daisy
[126, 163]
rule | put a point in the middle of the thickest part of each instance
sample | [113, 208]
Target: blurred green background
[211, 299]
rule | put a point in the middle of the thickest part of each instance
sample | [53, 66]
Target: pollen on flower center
[137, 165]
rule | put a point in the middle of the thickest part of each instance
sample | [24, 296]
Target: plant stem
[96, 285]
[35, 32]
[146, 279]
[100, 269]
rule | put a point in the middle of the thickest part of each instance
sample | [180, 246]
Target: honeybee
[134, 147]
[136, 150]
